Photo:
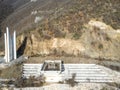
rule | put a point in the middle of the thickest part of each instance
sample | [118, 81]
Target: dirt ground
[70, 59]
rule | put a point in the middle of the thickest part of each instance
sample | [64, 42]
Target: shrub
[30, 82]
[100, 46]
[108, 38]
[76, 36]
[72, 81]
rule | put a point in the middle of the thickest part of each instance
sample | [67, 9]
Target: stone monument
[10, 46]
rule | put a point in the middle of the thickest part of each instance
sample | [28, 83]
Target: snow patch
[37, 19]
[34, 12]
[33, 0]
[99, 24]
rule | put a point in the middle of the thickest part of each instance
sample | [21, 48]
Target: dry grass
[70, 59]
[11, 72]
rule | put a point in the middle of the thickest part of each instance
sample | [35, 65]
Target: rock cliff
[97, 40]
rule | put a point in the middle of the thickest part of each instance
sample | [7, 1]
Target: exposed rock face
[101, 40]
[97, 40]
[53, 46]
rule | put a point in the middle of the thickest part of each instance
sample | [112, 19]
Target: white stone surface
[83, 73]
[10, 46]
[14, 45]
[99, 24]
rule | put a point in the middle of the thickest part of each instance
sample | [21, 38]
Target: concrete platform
[81, 72]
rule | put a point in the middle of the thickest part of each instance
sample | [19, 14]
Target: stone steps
[83, 72]
[86, 73]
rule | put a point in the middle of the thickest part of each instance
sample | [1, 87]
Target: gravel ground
[81, 86]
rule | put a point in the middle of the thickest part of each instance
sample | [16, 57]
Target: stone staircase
[31, 70]
[86, 73]
[82, 72]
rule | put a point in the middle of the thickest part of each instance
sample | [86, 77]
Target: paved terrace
[82, 72]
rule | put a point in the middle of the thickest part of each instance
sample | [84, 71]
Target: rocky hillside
[28, 14]
[67, 27]
[95, 40]
[8, 7]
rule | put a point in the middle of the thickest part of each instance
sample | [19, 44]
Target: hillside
[24, 15]
[7, 7]
[107, 11]
[67, 27]
[96, 40]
